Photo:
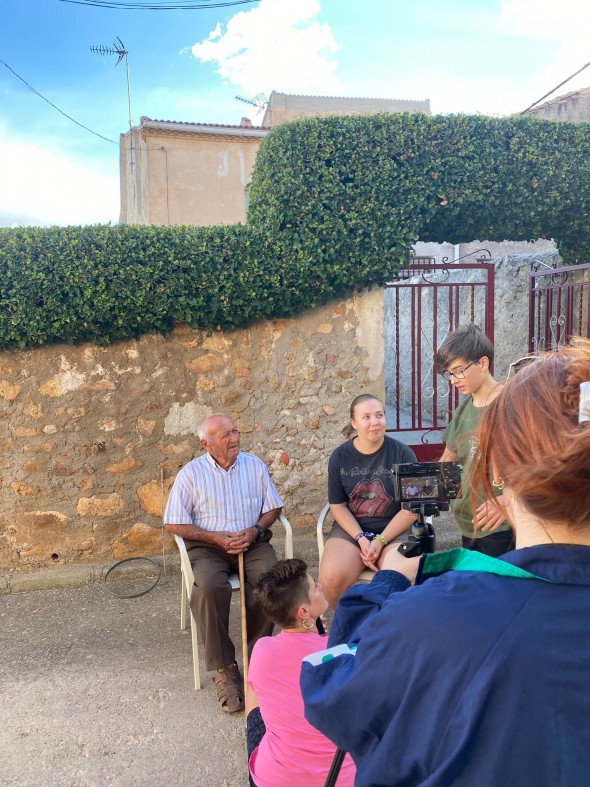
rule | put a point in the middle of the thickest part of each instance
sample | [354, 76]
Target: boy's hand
[488, 516]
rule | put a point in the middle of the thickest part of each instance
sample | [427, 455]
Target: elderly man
[223, 504]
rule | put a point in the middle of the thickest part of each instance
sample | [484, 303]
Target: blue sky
[488, 56]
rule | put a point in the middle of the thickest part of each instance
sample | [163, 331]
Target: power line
[534, 104]
[165, 5]
[112, 141]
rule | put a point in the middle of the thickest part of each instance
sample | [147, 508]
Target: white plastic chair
[187, 581]
[366, 574]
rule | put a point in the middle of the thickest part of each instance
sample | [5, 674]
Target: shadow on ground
[97, 690]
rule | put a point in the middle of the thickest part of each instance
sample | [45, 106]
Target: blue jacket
[470, 679]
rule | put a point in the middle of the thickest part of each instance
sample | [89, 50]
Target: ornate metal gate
[559, 305]
[422, 305]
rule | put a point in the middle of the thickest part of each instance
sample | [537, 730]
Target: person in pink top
[284, 750]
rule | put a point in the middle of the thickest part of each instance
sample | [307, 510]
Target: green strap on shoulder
[466, 560]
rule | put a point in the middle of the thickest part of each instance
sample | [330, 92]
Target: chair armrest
[288, 536]
[320, 528]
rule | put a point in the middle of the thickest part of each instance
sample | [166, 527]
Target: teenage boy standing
[464, 359]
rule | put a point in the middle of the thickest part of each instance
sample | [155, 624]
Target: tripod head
[422, 536]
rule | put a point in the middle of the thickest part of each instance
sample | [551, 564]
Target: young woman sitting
[362, 501]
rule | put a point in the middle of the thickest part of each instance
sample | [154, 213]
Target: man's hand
[488, 516]
[240, 541]
[221, 539]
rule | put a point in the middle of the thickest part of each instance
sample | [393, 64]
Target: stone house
[283, 106]
[571, 106]
[173, 172]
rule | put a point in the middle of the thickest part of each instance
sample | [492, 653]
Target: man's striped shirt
[206, 495]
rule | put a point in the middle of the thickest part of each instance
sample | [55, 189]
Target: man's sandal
[230, 692]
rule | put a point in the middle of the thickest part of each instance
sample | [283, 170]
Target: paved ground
[98, 691]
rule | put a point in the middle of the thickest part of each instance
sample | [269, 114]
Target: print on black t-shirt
[369, 499]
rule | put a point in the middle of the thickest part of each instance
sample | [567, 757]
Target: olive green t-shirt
[460, 438]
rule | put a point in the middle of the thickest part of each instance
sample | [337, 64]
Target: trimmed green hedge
[335, 205]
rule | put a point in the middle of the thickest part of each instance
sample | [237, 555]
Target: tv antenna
[118, 49]
[259, 101]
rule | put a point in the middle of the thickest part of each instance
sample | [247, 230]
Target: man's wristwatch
[260, 532]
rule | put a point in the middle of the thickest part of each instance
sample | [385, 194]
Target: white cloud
[278, 44]
[43, 187]
[548, 20]
[562, 31]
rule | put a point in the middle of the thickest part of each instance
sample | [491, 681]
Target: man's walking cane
[243, 617]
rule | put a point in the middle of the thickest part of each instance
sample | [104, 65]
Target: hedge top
[336, 204]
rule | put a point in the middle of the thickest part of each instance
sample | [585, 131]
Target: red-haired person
[491, 655]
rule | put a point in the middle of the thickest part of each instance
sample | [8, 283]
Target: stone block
[153, 496]
[25, 431]
[184, 419]
[246, 424]
[100, 385]
[128, 463]
[100, 505]
[9, 391]
[140, 539]
[174, 449]
[22, 489]
[84, 484]
[30, 525]
[217, 341]
[62, 467]
[33, 410]
[231, 397]
[108, 425]
[145, 427]
[241, 367]
[34, 466]
[5, 445]
[206, 363]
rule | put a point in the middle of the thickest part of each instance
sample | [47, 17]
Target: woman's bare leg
[340, 567]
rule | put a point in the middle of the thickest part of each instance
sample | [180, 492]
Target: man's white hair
[203, 427]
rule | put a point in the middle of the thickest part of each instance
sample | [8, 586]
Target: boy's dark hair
[282, 590]
[468, 342]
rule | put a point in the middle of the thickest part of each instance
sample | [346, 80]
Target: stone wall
[91, 438]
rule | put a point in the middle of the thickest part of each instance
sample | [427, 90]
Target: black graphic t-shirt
[364, 481]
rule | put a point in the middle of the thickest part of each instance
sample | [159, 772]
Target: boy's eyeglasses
[516, 366]
[458, 374]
